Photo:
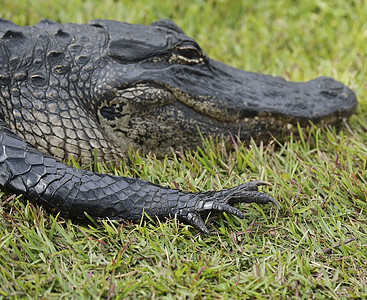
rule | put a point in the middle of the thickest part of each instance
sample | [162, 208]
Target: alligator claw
[222, 201]
[275, 202]
[196, 221]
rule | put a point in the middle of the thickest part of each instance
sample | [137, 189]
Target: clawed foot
[222, 201]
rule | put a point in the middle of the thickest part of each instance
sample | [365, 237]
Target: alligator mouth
[241, 113]
[230, 95]
[236, 112]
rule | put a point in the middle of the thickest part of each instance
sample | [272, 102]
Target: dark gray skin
[69, 89]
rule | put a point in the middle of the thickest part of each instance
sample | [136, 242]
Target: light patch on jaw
[116, 116]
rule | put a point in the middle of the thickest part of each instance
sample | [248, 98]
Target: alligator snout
[322, 99]
[242, 95]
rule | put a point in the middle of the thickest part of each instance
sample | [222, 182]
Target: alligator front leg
[74, 192]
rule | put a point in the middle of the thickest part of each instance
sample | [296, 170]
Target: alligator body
[70, 89]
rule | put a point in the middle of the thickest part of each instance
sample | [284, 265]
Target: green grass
[314, 248]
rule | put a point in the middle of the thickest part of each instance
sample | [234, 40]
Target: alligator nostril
[328, 85]
[329, 93]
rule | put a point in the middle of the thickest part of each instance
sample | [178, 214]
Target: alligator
[104, 86]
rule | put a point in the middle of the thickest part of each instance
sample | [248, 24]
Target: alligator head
[161, 89]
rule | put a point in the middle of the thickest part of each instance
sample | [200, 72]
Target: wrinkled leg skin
[74, 192]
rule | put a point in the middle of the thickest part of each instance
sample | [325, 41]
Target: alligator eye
[189, 53]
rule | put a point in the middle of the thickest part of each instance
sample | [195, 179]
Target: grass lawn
[315, 247]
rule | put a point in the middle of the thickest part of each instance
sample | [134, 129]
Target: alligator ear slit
[61, 33]
[11, 34]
